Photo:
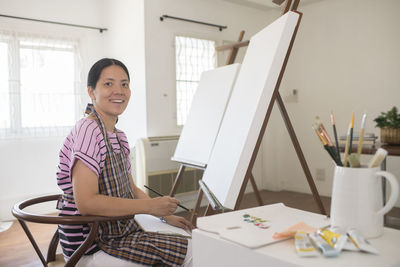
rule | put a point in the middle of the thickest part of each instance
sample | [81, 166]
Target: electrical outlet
[320, 174]
[292, 96]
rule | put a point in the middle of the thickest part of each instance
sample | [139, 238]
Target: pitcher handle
[394, 191]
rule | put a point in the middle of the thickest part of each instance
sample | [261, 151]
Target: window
[193, 56]
[4, 88]
[38, 85]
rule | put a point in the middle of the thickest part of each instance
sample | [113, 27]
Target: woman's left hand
[178, 222]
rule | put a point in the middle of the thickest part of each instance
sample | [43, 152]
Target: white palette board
[207, 110]
[231, 226]
[247, 107]
[150, 223]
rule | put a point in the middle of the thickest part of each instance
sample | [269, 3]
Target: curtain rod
[194, 21]
[55, 22]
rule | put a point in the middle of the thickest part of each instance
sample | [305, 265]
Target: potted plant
[389, 122]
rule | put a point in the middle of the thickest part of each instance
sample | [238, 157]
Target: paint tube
[334, 239]
[304, 247]
[322, 245]
[329, 242]
[360, 242]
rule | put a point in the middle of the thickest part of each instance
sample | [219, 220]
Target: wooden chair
[53, 259]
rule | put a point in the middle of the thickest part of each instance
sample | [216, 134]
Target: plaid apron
[124, 239]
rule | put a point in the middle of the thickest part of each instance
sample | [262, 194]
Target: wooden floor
[16, 250]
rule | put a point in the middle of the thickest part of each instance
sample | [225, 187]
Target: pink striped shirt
[86, 143]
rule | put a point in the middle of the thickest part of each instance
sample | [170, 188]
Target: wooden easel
[234, 49]
[276, 96]
[179, 176]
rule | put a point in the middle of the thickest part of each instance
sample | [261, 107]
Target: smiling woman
[95, 176]
[110, 95]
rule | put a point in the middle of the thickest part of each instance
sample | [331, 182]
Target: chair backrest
[93, 222]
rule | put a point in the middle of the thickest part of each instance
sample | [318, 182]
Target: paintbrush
[361, 138]
[322, 131]
[346, 148]
[348, 141]
[377, 159]
[161, 195]
[351, 132]
[324, 142]
[335, 134]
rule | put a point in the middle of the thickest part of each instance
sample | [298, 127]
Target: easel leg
[209, 211]
[300, 154]
[178, 179]
[249, 176]
[255, 189]
[242, 189]
[193, 219]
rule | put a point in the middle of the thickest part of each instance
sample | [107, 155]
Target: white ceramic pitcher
[357, 199]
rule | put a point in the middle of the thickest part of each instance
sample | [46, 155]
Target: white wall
[125, 41]
[28, 166]
[345, 58]
[74, 11]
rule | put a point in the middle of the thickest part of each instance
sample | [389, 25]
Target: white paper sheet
[231, 226]
[150, 223]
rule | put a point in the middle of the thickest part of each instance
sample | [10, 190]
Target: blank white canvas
[205, 116]
[246, 110]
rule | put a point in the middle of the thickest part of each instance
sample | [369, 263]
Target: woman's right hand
[163, 206]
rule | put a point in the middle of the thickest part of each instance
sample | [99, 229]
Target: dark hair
[97, 68]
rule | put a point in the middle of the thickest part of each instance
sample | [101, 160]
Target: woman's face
[111, 95]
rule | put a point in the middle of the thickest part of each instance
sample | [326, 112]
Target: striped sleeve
[63, 172]
[89, 146]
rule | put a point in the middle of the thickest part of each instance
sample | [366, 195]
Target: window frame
[13, 41]
[216, 61]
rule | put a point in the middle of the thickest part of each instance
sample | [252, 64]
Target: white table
[210, 250]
